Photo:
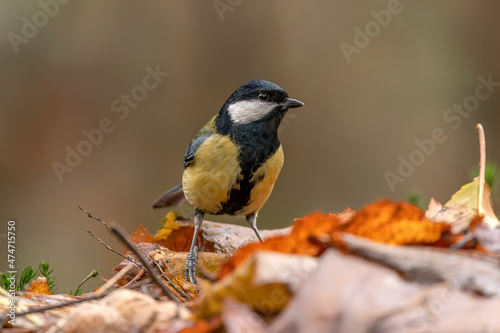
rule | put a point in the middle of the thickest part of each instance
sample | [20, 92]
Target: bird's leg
[252, 222]
[192, 258]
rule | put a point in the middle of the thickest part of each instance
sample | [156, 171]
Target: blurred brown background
[62, 66]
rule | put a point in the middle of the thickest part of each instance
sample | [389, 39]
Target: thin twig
[135, 250]
[93, 217]
[122, 234]
[77, 301]
[136, 278]
[114, 251]
[167, 278]
[52, 307]
[115, 278]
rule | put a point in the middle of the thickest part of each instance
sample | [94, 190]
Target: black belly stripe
[238, 198]
[257, 142]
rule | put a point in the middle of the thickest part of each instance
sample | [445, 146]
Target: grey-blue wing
[191, 150]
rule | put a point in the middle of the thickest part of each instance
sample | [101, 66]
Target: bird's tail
[172, 197]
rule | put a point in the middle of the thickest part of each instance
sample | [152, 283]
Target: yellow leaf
[169, 224]
[471, 200]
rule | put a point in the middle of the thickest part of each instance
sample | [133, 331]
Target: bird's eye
[263, 96]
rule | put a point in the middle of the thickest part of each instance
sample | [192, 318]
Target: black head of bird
[232, 163]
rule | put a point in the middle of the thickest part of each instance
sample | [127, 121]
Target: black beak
[290, 103]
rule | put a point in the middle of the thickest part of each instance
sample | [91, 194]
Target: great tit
[232, 163]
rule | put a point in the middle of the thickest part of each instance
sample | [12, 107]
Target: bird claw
[191, 263]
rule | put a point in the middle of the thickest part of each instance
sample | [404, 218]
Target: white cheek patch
[245, 112]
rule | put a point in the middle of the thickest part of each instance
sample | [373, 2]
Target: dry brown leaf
[266, 282]
[488, 238]
[349, 294]
[122, 311]
[433, 208]
[173, 263]
[463, 269]
[345, 294]
[35, 322]
[239, 317]
[444, 310]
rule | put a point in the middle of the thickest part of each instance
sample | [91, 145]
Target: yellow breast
[212, 175]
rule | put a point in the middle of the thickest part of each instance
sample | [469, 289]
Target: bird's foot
[191, 262]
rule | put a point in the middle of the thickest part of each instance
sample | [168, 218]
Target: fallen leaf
[179, 239]
[346, 215]
[471, 200]
[345, 294]
[433, 208]
[173, 263]
[313, 225]
[238, 317]
[168, 225]
[461, 209]
[213, 237]
[444, 310]
[141, 235]
[122, 310]
[350, 294]
[397, 223]
[266, 281]
[38, 321]
[462, 269]
[488, 238]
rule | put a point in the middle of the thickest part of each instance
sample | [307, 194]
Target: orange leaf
[346, 215]
[397, 223]
[141, 235]
[39, 286]
[297, 242]
[178, 240]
